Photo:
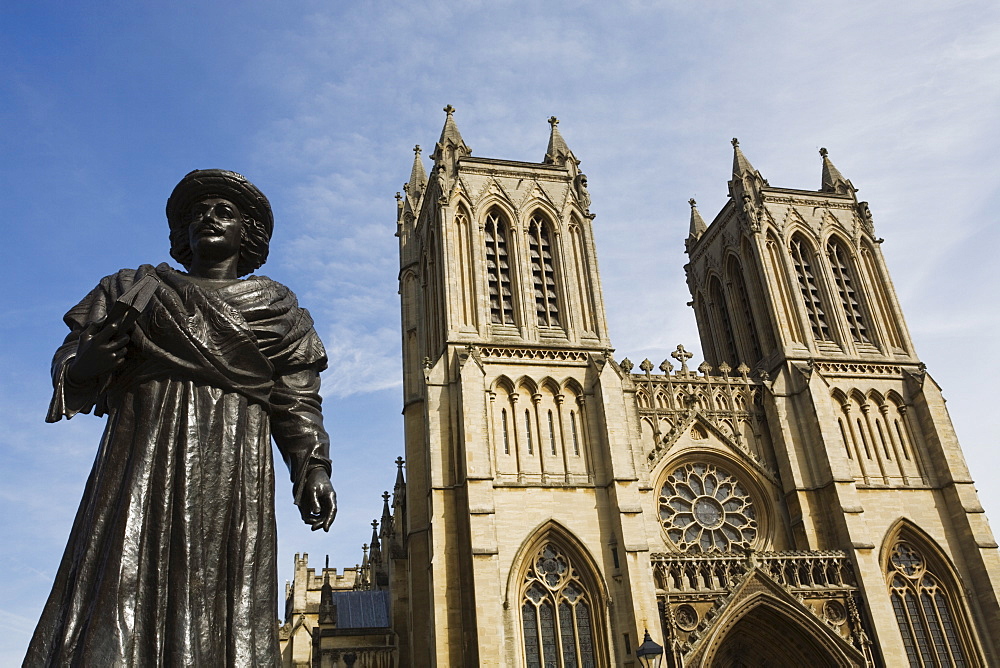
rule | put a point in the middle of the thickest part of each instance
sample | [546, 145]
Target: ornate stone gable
[690, 432]
[809, 598]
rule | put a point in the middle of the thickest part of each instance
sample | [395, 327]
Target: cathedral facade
[799, 498]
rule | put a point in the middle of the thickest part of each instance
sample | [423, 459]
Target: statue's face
[216, 227]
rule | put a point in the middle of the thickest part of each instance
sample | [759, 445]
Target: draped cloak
[171, 559]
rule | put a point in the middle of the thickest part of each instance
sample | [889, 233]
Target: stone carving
[582, 194]
[751, 215]
[682, 356]
[171, 556]
[687, 617]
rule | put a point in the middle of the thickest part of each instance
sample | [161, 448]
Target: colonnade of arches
[879, 443]
[539, 429]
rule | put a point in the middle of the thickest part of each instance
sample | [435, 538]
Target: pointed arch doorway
[766, 630]
[765, 637]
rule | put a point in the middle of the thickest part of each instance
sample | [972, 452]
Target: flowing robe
[171, 559]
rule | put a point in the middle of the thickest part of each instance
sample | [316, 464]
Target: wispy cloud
[323, 105]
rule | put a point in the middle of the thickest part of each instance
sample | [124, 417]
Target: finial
[736, 142]
[385, 496]
[449, 110]
[416, 149]
[823, 152]
[553, 121]
[399, 196]
[692, 202]
[374, 524]
[399, 463]
[328, 561]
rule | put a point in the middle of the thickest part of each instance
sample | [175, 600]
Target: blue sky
[104, 106]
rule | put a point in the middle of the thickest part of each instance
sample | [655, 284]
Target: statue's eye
[223, 211]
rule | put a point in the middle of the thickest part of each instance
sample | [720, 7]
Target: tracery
[704, 507]
[557, 612]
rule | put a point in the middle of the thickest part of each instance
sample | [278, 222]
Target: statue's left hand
[318, 506]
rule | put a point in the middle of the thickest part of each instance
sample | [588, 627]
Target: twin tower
[799, 498]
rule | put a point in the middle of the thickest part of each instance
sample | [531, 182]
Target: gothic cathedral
[798, 499]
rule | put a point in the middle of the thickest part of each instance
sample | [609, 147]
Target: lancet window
[576, 437]
[527, 432]
[924, 610]
[557, 613]
[809, 286]
[728, 343]
[843, 276]
[543, 272]
[498, 270]
[506, 433]
[746, 311]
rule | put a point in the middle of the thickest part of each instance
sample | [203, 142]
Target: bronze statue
[171, 559]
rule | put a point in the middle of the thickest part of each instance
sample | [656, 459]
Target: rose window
[704, 507]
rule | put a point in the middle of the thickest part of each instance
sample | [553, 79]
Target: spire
[558, 152]
[327, 610]
[833, 181]
[698, 226]
[746, 181]
[741, 165]
[397, 544]
[375, 553]
[399, 489]
[418, 177]
[450, 146]
[386, 518]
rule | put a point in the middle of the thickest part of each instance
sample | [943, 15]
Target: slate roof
[362, 609]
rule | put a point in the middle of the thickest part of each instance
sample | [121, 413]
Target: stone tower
[798, 498]
[517, 431]
[793, 284]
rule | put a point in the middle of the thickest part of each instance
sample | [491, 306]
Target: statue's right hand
[100, 349]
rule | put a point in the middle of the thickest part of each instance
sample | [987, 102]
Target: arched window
[552, 434]
[506, 433]
[880, 298]
[843, 276]
[527, 431]
[809, 286]
[542, 272]
[576, 436]
[926, 615]
[739, 287]
[498, 270]
[557, 612]
[463, 268]
[728, 343]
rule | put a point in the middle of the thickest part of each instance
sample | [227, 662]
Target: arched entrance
[771, 628]
[766, 637]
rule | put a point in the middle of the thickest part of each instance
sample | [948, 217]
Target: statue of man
[171, 559]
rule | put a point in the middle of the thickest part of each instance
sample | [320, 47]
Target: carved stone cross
[682, 356]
